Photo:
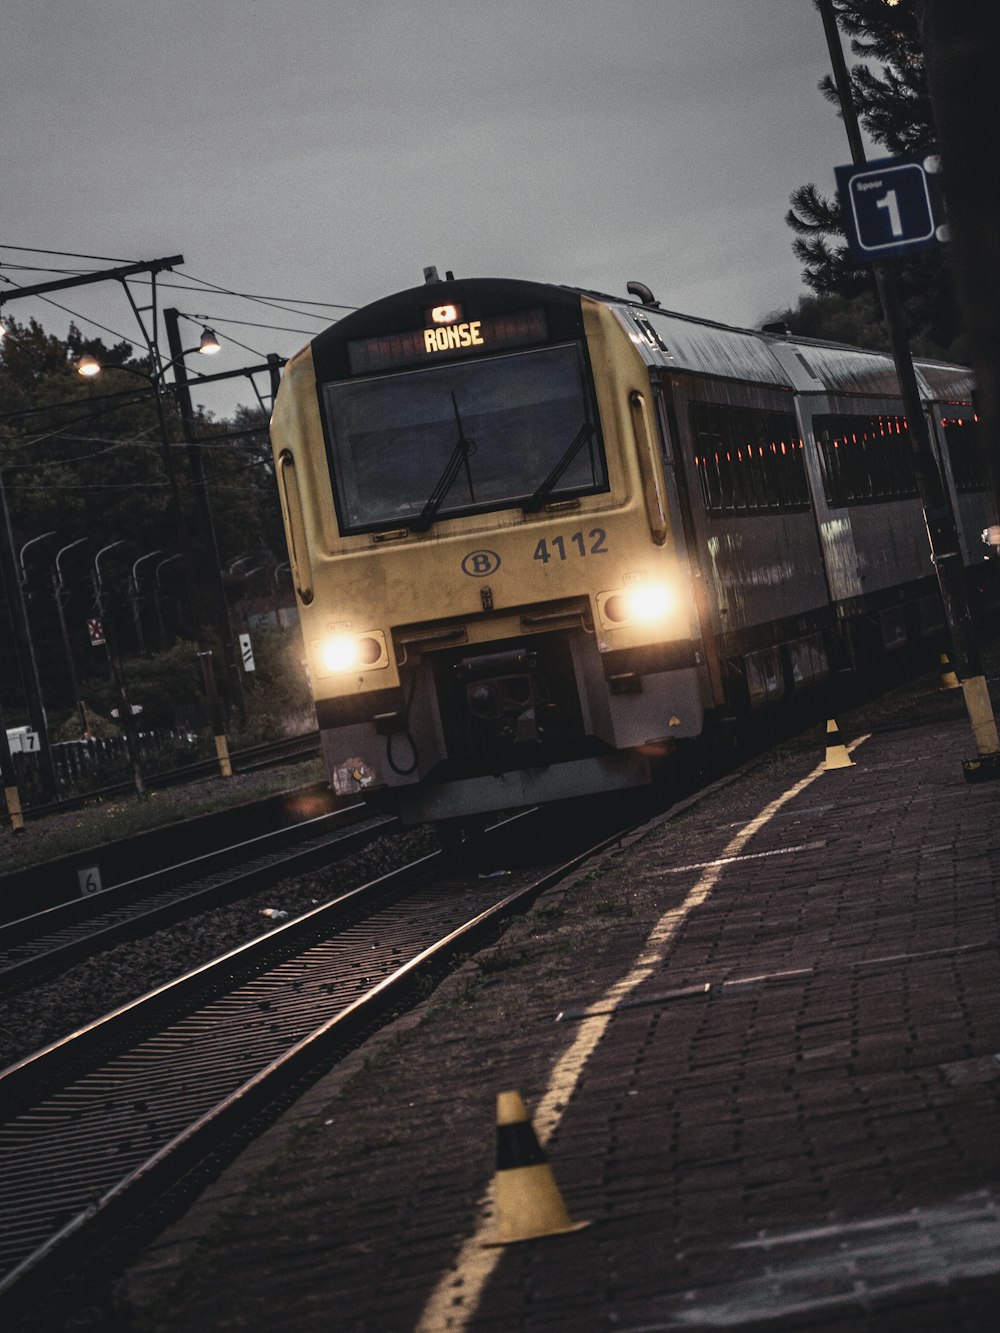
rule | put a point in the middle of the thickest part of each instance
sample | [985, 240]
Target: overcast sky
[327, 150]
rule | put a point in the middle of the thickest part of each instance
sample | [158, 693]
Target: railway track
[59, 936]
[99, 1126]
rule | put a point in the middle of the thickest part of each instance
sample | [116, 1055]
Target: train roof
[675, 341]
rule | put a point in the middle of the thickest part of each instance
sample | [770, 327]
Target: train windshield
[493, 433]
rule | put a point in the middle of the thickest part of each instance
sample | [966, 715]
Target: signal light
[444, 314]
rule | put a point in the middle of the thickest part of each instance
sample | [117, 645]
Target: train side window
[864, 459]
[965, 450]
[748, 460]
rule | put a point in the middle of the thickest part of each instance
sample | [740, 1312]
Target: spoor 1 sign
[890, 207]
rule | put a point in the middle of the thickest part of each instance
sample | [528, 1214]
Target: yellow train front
[494, 595]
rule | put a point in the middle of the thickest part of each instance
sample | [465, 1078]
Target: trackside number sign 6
[89, 879]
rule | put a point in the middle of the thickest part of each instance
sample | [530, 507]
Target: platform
[760, 1043]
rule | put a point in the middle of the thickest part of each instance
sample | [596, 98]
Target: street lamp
[24, 571]
[89, 366]
[58, 590]
[171, 320]
[114, 661]
[171, 559]
[134, 591]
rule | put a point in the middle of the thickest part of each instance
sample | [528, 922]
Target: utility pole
[196, 462]
[59, 594]
[942, 532]
[125, 716]
[24, 647]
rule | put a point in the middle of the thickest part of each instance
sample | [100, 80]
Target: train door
[682, 517]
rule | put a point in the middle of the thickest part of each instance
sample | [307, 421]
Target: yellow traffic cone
[949, 681]
[527, 1200]
[836, 751]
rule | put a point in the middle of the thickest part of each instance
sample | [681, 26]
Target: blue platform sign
[891, 207]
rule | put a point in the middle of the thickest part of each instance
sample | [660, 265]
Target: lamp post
[208, 345]
[114, 661]
[59, 593]
[24, 647]
[157, 596]
[89, 367]
[135, 599]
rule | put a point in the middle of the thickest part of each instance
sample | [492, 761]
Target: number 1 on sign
[891, 205]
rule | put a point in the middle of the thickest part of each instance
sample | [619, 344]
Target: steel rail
[61, 935]
[246, 1065]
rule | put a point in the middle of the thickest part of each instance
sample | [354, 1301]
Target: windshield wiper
[546, 488]
[461, 453]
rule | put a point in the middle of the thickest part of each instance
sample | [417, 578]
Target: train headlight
[639, 604]
[351, 652]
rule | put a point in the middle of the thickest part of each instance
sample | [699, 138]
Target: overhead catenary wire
[203, 282]
[279, 304]
[288, 305]
[109, 447]
[66, 254]
[225, 319]
[83, 318]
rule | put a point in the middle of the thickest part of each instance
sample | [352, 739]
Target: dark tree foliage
[83, 465]
[889, 90]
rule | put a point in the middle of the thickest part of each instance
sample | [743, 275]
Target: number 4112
[561, 548]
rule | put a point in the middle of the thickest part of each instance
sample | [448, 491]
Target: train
[542, 537]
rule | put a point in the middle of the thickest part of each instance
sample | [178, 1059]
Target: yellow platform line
[455, 1299]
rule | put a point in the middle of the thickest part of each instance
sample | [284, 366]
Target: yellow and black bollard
[527, 1200]
[836, 750]
[948, 681]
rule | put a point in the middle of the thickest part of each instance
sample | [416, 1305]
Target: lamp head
[209, 344]
[88, 366]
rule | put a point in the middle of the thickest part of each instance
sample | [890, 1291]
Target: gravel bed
[43, 1013]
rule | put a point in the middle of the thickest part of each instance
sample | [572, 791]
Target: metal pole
[135, 598]
[221, 744]
[187, 557]
[942, 532]
[11, 792]
[197, 464]
[58, 588]
[24, 648]
[157, 598]
[114, 661]
[274, 364]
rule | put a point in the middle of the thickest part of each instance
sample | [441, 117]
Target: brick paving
[790, 1123]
